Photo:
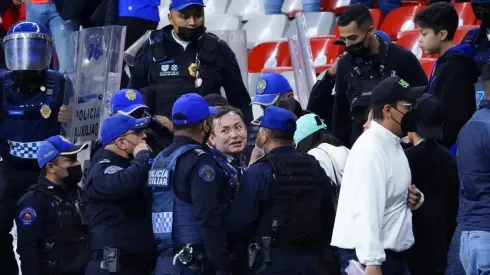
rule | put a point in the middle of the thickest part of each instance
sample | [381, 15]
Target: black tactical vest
[293, 217]
[68, 250]
[173, 76]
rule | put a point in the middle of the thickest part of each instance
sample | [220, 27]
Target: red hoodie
[13, 15]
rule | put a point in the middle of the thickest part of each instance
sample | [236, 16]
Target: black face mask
[75, 174]
[358, 49]
[191, 35]
[409, 122]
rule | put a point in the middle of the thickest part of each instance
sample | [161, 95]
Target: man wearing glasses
[373, 226]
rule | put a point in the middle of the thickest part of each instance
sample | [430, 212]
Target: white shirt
[373, 213]
[332, 159]
[183, 43]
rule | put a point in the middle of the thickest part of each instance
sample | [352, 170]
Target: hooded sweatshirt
[453, 82]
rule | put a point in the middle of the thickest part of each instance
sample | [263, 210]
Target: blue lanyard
[431, 78]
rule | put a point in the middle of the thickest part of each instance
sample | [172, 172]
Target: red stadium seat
[410, 40]
[414, 2]
[400, 19]
[427, 65]
[268, 54]
[324, 50]
[461, 32]
[335, 6]
[466, 14]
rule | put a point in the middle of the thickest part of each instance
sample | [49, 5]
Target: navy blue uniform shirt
[206, 198]
[37, 221]
[118, 204]
[145, 9]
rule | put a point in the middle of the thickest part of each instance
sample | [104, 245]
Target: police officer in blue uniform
[116, 201]
[187, 187]
[52, 235]
[282, 204]
[182, 58]
[31, 108]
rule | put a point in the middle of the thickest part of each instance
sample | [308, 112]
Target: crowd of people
[384, 172]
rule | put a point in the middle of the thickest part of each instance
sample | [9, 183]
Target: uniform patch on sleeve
[27, 216]
[207, 173]
[199, 152]
[112, 170]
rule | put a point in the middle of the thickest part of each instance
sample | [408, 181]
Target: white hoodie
[332, 159]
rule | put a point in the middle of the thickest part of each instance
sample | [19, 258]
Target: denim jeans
[454, 266]
[62, 30]
[384, 5]
[275, 6]
[475, 252]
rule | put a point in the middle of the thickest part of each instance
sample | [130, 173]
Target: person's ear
[442, 35]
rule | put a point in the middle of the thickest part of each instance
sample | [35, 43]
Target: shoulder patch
[27, 215]
[199, 152]
[207, 173]
[112, 170]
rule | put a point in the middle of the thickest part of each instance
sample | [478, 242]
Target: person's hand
[63, 114]
[414, 196]
[165, 122]
[373, 270]
[333, 70]
[141, 147]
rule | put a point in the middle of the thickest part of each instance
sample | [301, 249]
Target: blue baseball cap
[277, 118]
[269, 88]
[191, 108]
[115, 126]
[56, 146]
[179, 5]
[126, 101]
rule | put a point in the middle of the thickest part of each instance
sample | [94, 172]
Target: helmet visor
[28, 51]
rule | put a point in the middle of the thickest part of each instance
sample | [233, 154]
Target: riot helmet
[28, 47]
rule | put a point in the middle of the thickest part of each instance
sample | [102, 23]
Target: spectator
[291, 105]
[15, 13]
[435, 171]
[474, 172]
[275, 6]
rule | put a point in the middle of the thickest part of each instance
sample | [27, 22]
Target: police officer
[116, 200]
[130, 102]
[52, 238]
[282, 202]
[270, 88]
[368, 61]
[32, 107]
[182, 58]
[187, 208]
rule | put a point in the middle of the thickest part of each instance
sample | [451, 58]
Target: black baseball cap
[216, 100]
[394, 89]
[430, 117]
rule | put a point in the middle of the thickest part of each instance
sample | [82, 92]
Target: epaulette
[199, 152]
[104, 161]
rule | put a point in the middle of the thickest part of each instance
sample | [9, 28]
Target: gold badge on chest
[45, 111]
[192, 69]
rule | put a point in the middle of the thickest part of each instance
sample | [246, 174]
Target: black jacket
[453, 82]
[435, 173]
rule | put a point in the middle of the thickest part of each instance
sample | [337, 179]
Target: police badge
[43, 89]
[192, 69]
[261, 85]
[45, 111]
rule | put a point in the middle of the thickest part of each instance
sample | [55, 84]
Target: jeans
[62, 30]
[275, 6]
[384, 5]
[475, 252]
[454, 266]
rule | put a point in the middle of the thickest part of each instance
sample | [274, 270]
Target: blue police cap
[179, 5]
[277, 118]
[56, 146]
[126, 101]
[115, 126]
[191, 108]
[269, 87]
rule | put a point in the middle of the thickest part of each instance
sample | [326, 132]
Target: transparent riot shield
[306, 59]
[302, 91]
[131, 52]
[98, 65]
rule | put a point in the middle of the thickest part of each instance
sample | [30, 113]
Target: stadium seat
[319, 23]
[246, 8]
[216, 7]
[290, 7]
[278, 70]
[427, 65]
[335, 6]
[262, 28]
[414, 2]
[461, 32]
[222, 22]
[399, 20]
[163, 16]
[268, 55]
[466, 14]
[324, 50]
[410, 40]
[377, 20]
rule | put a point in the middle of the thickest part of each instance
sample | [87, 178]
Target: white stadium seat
[216, 6]
[319, 23]
[222, 22]
[262, 28]
[291, 5]
[246, 8]
[163, 16]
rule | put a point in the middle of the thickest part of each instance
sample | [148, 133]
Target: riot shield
[98, 65]
[306, 59]
[237, 40]
[131, 52]
[301, 92]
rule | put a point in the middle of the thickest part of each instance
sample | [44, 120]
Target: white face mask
[261, 150]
